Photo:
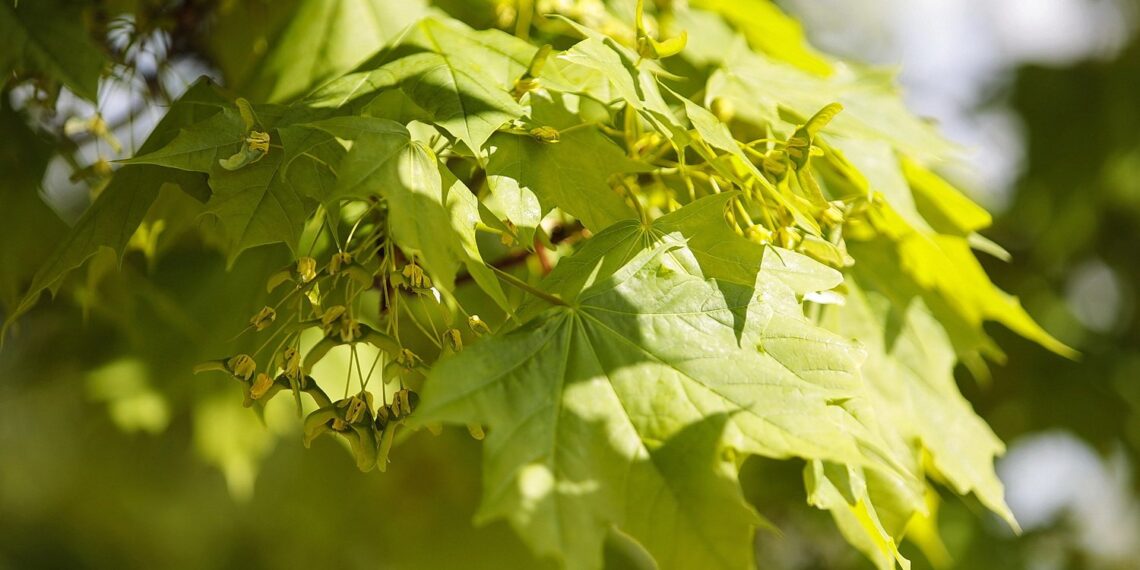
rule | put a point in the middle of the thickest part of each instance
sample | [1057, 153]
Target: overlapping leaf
[23, 157]
[909, 370]
[113, 217]
[528, 177]
[663, 350]
[276, 52]
[759, 90]
[259, 203]
[462, 78]
[647, 332]
[580, 402]
[906, 262]
[431, 212]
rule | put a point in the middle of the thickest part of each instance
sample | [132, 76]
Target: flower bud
[307, 269]
[477, 325]
[546, 134]
[263, 318]
[242, 366]
[260, 386]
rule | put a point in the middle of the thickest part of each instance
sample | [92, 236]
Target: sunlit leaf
[583, 402]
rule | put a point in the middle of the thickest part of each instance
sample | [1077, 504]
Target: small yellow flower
[546, 134]
[242, 366]
[263, 318]
[338, 261]
[416, 276]
[454, 339]
[258, 141]
[260, 386]
[478, 326]
[408, 358]
[307, 269]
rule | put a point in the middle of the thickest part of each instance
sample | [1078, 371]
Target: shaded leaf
[277, 52]
[528, 177]
[49, 37]
[113, 217]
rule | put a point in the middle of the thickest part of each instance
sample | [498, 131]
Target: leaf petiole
[524, 286]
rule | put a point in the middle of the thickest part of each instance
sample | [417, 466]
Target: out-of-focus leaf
[769, 30]
[113, 217]
[760, 90]
[904, 262]
[277, 51]
[23, 158]
[945, 207]
[49, 37]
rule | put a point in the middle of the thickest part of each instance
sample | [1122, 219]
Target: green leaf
[23, 158]
[197, 147]
[263, 202]
[49, 37]
[281, 51]
[369, 165]
[581, 401]
[762, 91]
[847, 493]
[113, 217]
[719, 251]
[432, 214]
[905, 262]
[945, 207]
[257, 205]
[910, 373]
[599, 60]
[528, 177]
[769, 30]
[462, 78]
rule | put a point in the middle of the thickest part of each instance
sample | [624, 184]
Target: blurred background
[113, 455]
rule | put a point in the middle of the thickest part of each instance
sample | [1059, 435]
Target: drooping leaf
[196, 148]
[910, 373]
[847, 493]
[905, 262]
[942, 205]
